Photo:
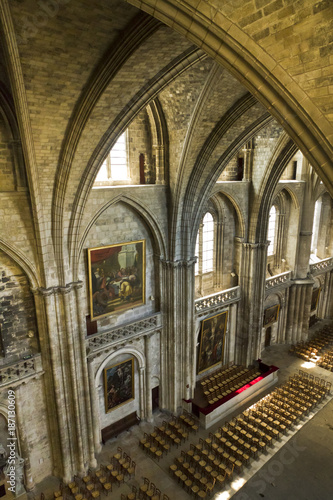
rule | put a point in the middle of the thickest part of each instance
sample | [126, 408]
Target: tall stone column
[178, 335]
[219, 256]
[160, 163]
[58, 369]
[28, 479]
[149, 406]
[85, 386]
[250, 312]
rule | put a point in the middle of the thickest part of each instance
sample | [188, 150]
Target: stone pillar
[58, 368]
[74, 365]
[85, 386]
[232, 331]
[218, 285]
[142, 392]
[149, 406]
[290, 315]
[299, 310]
[280, 239]
[250, 312]
[160, 164]
[248, 161]
[329, 301]
[178, 335]
[94, 408]
[24, 447]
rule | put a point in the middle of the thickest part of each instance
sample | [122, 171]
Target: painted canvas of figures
[212, 340]
[118, 384]
[271, 315]
[116, 278]
[315, 298]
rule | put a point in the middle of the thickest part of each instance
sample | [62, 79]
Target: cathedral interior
[166, 247]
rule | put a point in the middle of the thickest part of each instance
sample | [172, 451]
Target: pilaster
[178, 338]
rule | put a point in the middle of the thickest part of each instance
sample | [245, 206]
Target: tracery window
[315, 227]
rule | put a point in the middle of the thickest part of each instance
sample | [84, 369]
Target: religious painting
[271, 314]
[116, 278]
[315, 298]
[212, 340]
[119, 384]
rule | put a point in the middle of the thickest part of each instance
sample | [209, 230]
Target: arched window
[204, 247]
[114, 167]
[271, 231]
[207, 243]
[315, 227]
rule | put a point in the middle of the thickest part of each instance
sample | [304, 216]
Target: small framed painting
[119, 384]
[271, 314]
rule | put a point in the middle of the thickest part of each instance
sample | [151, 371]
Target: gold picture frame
[118, 384]
[271, 315]
[315, 298]
[116, 277]
[212, 341]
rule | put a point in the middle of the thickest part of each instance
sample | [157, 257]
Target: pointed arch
[20, 259]
[147, 216]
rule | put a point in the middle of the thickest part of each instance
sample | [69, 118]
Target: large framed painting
[212, 340]
[315, 298]
[116, 278]
[271, 315]
[119, 384]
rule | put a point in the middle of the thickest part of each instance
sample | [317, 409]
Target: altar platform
[210, 414]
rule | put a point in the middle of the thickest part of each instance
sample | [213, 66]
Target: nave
[293, 467]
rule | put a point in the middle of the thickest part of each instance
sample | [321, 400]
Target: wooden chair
[119, 453]
[145, 486]
[132, 495]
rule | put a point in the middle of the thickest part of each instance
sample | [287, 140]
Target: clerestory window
[271, 230]
[115, 166]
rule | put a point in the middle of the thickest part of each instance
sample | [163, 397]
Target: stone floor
[298, 467]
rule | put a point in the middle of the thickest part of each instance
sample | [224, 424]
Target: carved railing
[144, 326]
[322, 266]
[20, 370]
[278, 280]
[217, 300]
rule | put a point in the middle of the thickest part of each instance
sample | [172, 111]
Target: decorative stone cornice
[54, 290]
[21, 371]
[216, 301]
[127, 333]
[178, 263]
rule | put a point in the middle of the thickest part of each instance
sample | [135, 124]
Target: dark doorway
[155, 397]
[268, 336]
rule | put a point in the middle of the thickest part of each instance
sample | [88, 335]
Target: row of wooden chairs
[221, 374]
[214, 393]
[148, 491]
[189, 421]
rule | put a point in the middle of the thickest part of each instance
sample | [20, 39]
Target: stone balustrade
[322, 266]
[20, 370]
[219, 299]
[278, 280]
[139, 328]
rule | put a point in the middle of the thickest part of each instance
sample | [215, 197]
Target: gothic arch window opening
[271, 230]
[204, 247]
[115, 166]
[315, 227]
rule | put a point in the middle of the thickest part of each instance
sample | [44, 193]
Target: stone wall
[17, 312]
[120, 224]
[7, 179]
